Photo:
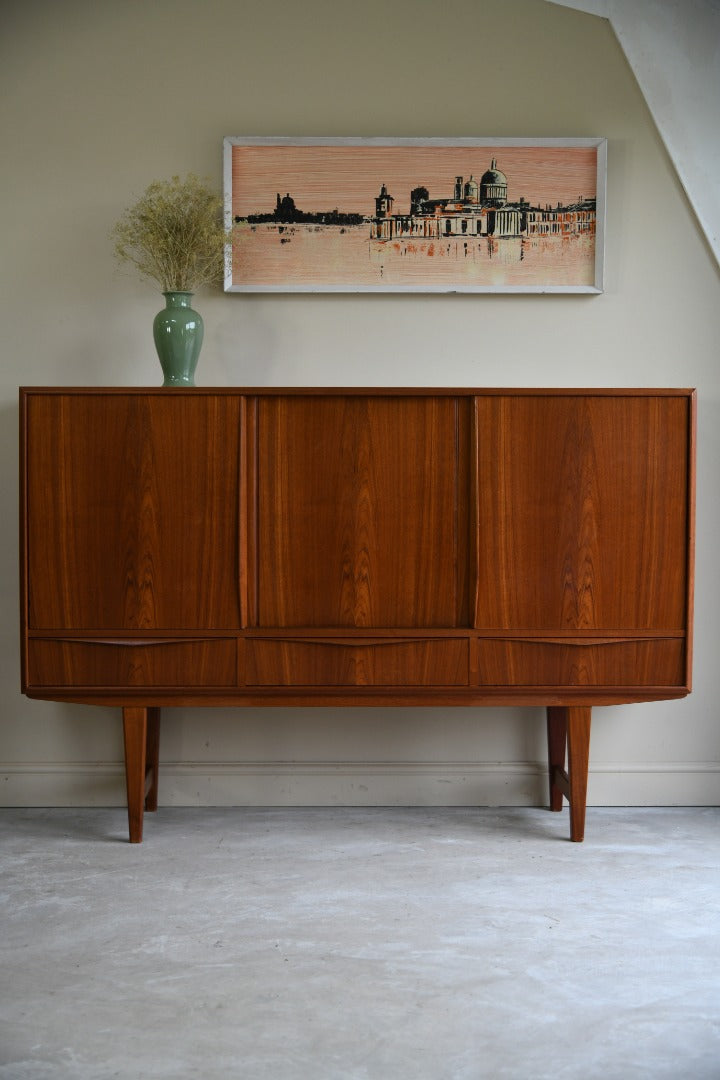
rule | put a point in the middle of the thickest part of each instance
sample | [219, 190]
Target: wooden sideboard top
[391, 391]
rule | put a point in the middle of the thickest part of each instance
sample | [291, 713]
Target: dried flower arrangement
[174, 234]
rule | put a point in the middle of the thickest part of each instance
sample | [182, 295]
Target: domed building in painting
[472, 190]
[493, 186]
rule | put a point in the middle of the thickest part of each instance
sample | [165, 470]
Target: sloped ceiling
[673, 48]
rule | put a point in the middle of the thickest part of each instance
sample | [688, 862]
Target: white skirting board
[367, 784]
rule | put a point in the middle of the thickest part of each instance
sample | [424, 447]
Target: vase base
[178, 382]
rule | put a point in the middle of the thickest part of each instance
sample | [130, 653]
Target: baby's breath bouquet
[174, 234]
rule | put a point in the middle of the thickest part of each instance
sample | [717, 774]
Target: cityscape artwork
[408, 215]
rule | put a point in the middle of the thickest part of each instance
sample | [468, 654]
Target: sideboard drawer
[132, 663]
[595, 662]
[391, 662]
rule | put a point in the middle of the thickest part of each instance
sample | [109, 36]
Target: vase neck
[178, 298]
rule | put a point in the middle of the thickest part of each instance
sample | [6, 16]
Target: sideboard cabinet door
[583, 512]
[363, 511]
[133, 503]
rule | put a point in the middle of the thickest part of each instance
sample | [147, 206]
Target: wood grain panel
[357, 663]
[55, 662]
[133, 511]
[582, 515]
[363, 511]
[658, 662]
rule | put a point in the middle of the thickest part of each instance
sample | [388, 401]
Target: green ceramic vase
[178, 333]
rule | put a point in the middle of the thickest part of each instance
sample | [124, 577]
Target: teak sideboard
[357, 547]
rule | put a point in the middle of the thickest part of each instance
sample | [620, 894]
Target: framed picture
[415, 215]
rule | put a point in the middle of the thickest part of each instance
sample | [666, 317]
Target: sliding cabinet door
[362, 511]
[132, 511]
[583, 512]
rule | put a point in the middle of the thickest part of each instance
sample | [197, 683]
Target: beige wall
[98, 98]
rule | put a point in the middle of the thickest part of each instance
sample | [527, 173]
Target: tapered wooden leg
[569, 725]
[135, 733]
[557, 742]
[141, 729]
[152, 755]
[578, 739]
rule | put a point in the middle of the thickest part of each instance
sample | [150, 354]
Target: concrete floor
[360, 944]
